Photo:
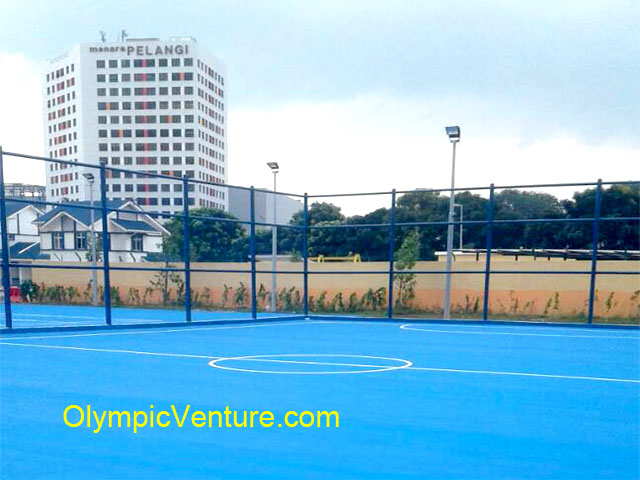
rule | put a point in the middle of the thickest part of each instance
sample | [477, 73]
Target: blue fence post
[594, 249]
[106, 241]
[305, 257]
[6, 269]
[392, 251]
[487, 266]
[252, 252]
[186, 247]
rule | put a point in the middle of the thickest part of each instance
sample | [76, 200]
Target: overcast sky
[354, 95]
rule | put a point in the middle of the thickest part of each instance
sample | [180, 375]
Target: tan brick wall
[551, 294]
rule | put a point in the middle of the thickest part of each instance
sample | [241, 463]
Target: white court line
[416, 327]
[523, 374]
[155, 331]
[108, 350]
[409, 326]
[26, 316]
[426, 369]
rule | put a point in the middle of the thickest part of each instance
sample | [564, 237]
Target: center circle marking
[282, 358]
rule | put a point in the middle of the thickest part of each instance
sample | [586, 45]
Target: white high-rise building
[142, 104]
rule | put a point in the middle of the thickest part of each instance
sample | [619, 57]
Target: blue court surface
[437, 401]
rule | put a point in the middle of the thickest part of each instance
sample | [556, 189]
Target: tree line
[228, 241]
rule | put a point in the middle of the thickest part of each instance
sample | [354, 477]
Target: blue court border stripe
[132, 326]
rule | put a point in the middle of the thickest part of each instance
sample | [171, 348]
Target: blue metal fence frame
[305, 228]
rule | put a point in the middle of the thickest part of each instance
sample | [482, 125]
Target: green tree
[320, 213]
[517, 205]
[211, 240]
[617, 201]
[405, 259]
[423, 206]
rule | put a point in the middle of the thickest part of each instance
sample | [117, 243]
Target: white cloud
[21, 119]
[375, 143]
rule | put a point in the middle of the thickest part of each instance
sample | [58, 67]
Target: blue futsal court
[425, 400]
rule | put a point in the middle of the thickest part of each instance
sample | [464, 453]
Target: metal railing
[186, 216]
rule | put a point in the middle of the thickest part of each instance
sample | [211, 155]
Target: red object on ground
[14, 294]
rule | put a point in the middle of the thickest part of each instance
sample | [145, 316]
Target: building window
[99, 63]
[137, 242]
[125, 63]
[57, 240]
[100, 78]
[81, 241]
[188, 62]
[175, 62]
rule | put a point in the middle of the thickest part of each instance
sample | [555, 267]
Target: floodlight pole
[274, 249]
[447, 287]
[461, 207]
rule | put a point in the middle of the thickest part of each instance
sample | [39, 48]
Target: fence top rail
[98, 206]
[353, 194]
[147, 174]
[464, 189]
[467, 222]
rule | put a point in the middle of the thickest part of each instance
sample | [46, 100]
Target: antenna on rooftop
[103, 36]
[123, 35]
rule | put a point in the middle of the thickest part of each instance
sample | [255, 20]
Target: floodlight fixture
[453, 132]
[89, 176]
[273, 166]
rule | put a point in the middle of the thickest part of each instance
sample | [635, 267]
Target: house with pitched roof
[24, 241]
[65, 232]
